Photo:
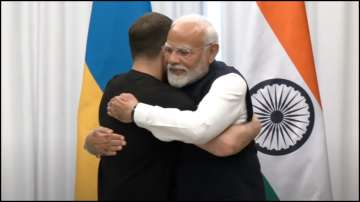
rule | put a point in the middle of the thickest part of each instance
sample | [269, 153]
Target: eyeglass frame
[183, 52]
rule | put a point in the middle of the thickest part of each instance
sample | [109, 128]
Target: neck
[152, 67]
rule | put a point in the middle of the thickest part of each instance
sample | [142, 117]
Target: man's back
[143, 170]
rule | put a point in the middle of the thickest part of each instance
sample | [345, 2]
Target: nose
[173, 58]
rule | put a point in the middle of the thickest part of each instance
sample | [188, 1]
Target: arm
[233, 139]
[102, 141]
[222, 106]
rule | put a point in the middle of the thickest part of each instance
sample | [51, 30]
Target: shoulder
[224, 72]
[230, 82]
[222, 68]
[117, 84]
[116, 80]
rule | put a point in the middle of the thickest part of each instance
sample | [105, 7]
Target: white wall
[334, 28]
[42, 55]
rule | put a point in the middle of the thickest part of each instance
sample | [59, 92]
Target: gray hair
[211, 35]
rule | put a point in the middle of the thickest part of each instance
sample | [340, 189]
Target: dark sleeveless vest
[203, 176]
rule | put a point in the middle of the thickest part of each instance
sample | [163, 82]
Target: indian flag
[269, 42]
[107, 54]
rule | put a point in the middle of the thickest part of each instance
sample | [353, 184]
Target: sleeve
[222, 106]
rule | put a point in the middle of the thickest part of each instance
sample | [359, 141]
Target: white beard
[190, 75]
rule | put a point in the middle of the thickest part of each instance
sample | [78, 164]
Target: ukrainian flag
[107, 54]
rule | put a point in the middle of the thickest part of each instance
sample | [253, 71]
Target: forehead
[186, 34]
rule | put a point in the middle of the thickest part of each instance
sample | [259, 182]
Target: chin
[177, 84]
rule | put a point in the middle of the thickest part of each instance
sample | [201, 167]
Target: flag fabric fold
[269, 42]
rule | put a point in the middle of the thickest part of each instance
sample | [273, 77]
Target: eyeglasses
[183, 52]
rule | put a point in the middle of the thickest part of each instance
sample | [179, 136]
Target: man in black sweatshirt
[222, 98]
[144, 169]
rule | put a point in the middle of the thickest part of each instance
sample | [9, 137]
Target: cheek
[165, 58]
[205, 58]
[191, 63]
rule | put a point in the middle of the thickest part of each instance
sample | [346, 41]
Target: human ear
[213, 51]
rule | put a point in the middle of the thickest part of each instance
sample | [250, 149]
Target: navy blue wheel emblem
[286, 114]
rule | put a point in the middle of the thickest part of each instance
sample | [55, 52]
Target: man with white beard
[123, 175]
[223, 99]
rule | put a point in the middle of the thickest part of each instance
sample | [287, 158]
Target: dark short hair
[148, 34]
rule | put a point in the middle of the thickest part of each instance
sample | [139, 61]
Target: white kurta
[221, 107]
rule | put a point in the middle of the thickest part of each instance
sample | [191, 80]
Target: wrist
[133, 113]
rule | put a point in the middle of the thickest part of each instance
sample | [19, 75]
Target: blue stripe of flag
[107, 50]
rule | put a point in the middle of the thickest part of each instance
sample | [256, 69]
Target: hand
[255, 124]
[233, 139]
[102, 141]
[120, 107]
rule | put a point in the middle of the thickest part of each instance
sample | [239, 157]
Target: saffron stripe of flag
[293, 34]
[271, 47]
